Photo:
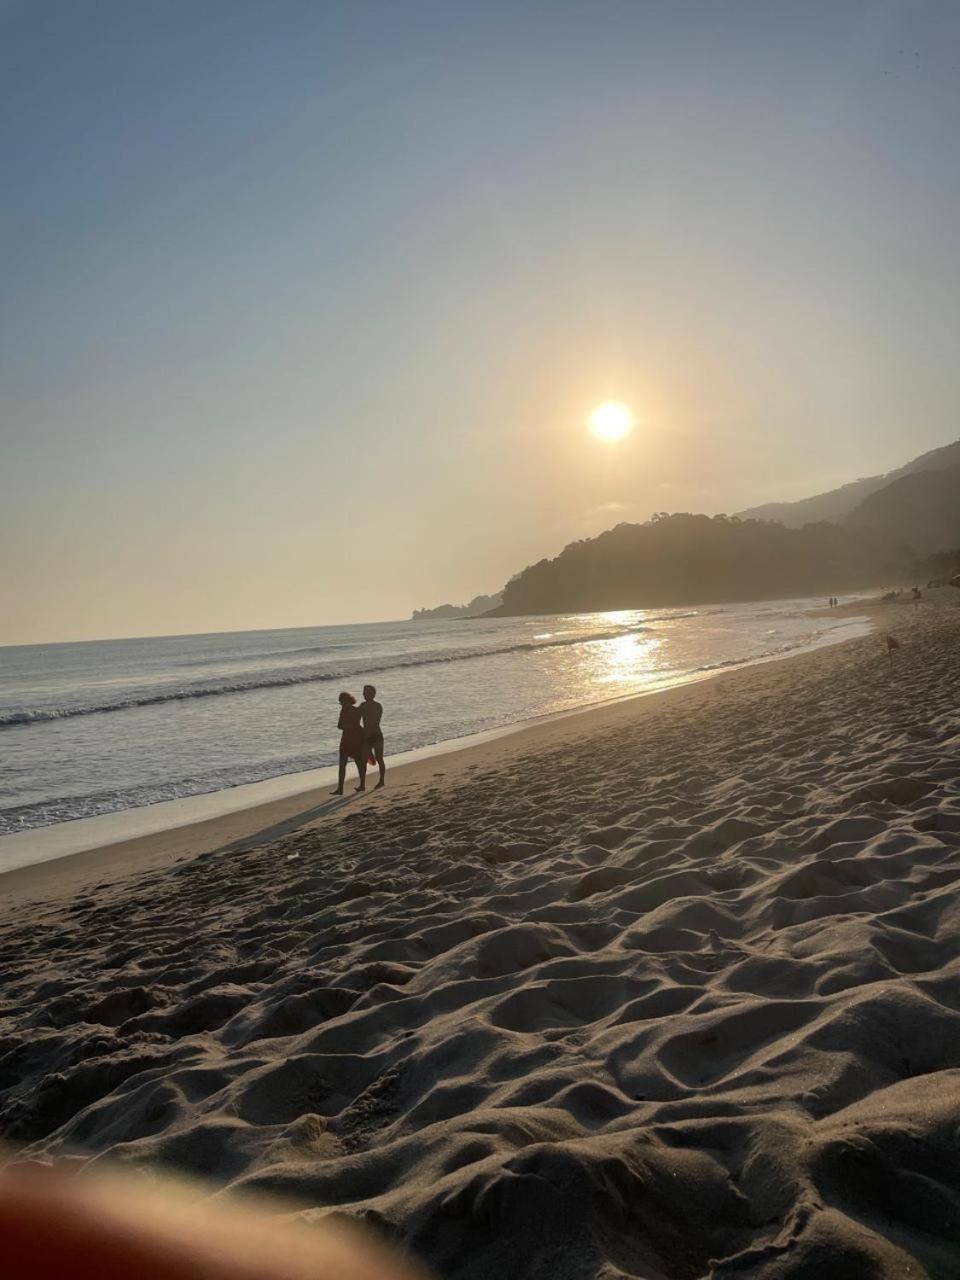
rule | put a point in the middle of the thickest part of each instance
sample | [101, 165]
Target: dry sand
[667, 990]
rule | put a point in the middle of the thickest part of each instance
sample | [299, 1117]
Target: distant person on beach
[352, 745]
[371, 713]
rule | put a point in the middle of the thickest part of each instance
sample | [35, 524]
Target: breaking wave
[282, 679]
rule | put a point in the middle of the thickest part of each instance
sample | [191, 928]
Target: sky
[305, 305]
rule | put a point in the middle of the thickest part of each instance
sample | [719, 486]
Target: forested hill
[478, 606]
[920, 511]
[839, 503]
[693, 559]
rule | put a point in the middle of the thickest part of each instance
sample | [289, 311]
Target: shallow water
[106, 725]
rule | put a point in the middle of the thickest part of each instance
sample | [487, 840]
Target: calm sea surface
[90, 728]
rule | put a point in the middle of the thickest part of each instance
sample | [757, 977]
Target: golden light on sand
[611, 421]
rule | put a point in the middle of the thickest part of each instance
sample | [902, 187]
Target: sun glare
[611, 421]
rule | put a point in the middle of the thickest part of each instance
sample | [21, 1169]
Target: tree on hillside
[685, 559]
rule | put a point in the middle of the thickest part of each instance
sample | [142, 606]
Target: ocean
[99, 726]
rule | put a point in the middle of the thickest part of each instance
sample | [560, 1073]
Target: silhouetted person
[352, 745]
[371, 713]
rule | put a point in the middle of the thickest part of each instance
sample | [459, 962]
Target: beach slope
[671, 990]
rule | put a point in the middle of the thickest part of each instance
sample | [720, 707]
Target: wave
[311, 650]
[281, 680]
[224, 659]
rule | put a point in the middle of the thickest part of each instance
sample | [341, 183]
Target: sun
[611, 421]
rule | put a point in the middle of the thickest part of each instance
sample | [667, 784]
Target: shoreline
[130, 841]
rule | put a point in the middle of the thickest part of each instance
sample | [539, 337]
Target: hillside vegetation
[922, 511]
[838, 503]
[691, 559]
[695, 559]
[880, 531]
[478, 606]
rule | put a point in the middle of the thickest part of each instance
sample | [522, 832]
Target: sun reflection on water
[625, 658]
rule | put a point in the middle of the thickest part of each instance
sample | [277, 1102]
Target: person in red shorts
[352, 745]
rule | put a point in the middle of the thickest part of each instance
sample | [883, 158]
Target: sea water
[99, 726]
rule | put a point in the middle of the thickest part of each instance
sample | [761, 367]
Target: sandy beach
[668, 989]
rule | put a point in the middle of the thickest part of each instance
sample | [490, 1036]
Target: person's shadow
[268, 834]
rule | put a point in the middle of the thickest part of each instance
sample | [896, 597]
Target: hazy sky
[303, 305]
